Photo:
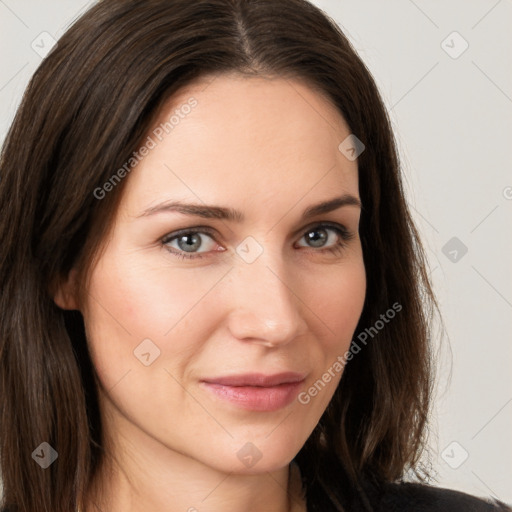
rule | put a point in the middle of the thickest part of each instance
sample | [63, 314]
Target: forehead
[238, 139]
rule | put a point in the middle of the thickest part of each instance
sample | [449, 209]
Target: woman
[213, 295]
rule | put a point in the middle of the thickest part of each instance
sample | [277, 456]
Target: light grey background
[451, 112]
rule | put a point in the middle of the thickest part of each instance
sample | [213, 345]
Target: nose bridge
[263, 305]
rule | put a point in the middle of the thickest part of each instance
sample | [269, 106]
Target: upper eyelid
[211, 232]
[184, 231]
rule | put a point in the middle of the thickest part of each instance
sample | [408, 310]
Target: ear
[64, 294]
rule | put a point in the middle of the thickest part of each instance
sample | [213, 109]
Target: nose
[265, 307]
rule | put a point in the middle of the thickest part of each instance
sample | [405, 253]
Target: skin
[269, 148]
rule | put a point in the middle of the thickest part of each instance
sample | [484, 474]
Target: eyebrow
[230, 214]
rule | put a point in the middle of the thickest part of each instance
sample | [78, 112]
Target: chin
[255, 454]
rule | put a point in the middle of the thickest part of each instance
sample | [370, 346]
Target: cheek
[338, 305]
[339, 302]
[340, 308]
[130, 303]
[165, 292]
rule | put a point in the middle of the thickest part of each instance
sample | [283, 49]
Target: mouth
[255, 391]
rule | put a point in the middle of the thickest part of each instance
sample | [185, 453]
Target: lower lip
[255, 398]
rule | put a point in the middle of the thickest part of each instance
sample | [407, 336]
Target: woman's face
[254, 290]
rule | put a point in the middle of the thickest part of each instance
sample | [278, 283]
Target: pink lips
[256, 391]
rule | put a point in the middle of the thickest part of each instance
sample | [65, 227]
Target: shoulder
[398, 497]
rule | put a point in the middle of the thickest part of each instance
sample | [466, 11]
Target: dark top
[425, 498]
[337, 492]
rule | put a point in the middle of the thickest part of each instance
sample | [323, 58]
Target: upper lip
[257, 379]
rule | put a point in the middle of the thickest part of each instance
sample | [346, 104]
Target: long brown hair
[85, 111]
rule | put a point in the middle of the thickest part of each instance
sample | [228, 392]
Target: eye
[188, 241]
[327, 237]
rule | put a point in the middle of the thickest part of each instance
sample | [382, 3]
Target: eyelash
[337, 248]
